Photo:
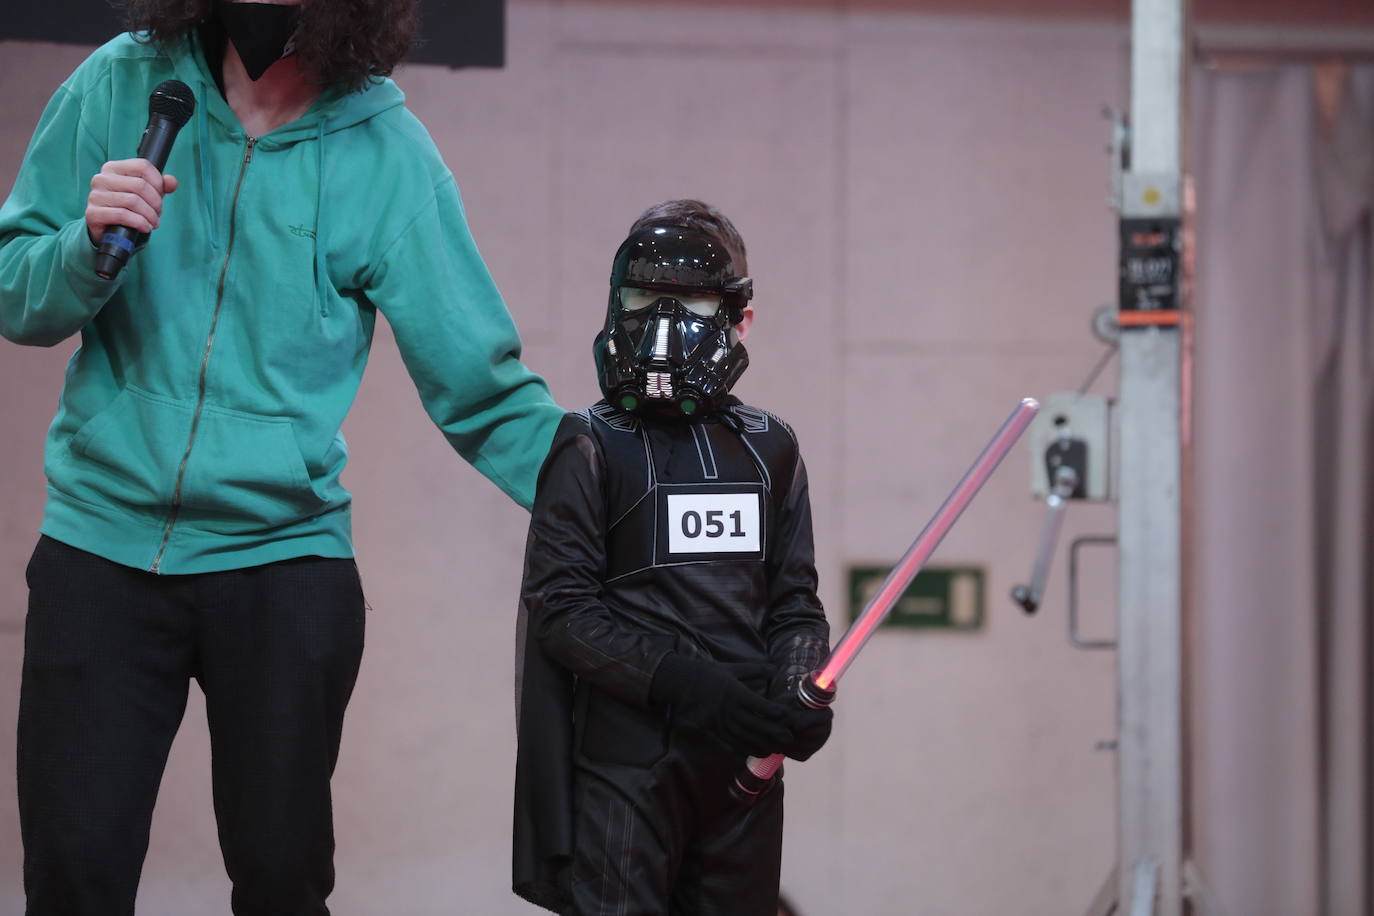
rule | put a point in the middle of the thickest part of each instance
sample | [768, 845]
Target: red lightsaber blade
[818, 689]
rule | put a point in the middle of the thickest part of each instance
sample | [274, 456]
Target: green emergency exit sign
[940, 597]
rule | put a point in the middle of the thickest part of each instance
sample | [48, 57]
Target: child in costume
[669, 604]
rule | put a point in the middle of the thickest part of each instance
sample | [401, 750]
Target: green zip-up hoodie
[198, 429]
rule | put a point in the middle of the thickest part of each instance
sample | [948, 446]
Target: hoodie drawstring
[203, 171]
[322, 285]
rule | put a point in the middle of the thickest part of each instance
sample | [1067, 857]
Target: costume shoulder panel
[771, 440]
[613, 418]
[759, 422]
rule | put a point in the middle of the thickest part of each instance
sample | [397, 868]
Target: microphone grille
[172, 100]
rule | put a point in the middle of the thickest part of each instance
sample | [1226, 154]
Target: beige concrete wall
[925, 205]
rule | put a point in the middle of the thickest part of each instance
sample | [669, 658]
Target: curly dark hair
[344, 43]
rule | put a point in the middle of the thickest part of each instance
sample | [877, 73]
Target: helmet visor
[701, 303]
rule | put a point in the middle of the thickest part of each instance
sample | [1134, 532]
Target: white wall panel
[977, 178]
[923, 201]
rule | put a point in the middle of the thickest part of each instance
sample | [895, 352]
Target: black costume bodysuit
[651, 536]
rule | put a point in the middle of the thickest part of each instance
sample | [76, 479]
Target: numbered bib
[704, 522]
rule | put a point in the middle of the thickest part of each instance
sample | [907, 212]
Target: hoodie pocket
[126, 454]
[246, 474]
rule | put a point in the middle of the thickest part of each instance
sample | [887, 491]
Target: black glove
[757, 676]
[712, 697]
[802, 654]
[810, 730]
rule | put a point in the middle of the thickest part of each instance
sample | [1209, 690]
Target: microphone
[169, 108]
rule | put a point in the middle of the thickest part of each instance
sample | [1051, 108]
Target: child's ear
[745, 323]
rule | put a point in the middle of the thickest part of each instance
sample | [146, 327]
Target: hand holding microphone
[125, 203]
[126, 192]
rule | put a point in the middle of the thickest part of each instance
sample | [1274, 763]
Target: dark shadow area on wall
[455, 33]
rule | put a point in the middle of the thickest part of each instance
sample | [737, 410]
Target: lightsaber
[817, 690]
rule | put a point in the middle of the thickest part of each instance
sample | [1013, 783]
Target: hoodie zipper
[205, 359]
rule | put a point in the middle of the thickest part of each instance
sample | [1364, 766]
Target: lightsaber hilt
[759, 772]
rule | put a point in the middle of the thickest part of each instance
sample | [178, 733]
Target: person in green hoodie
[195, 525]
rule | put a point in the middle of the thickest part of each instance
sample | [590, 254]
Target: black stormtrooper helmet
[669, 345]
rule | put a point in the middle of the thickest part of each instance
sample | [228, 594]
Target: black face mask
[669, 345]
[262, 33]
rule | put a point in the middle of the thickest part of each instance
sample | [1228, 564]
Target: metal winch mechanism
[1072, 448]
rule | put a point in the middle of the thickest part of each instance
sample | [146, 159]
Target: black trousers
[109, 653]
[656, 829]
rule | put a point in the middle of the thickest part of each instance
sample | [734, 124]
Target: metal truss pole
[1150, 647]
